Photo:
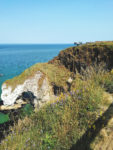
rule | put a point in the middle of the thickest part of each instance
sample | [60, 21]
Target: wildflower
[61, 95]
[83, 90]
[112, 71]
[79, 97]
[62, 100]
[71, 93]
[61, 103]
[101, 113]
[94, 127]
[74, 93]
[77, 91]
[66, 95]
[89, 126]
[51, 105]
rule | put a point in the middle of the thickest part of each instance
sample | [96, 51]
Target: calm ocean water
[14, 59]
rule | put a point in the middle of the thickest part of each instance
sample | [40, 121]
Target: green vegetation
[60, 123]
[56, 74]
[107, 82]
[3, 118]
[27, 110]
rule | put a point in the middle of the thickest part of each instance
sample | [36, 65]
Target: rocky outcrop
[78, 57]
[28, 91]
[36, 85]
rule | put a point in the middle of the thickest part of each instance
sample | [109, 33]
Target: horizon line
[37, 43]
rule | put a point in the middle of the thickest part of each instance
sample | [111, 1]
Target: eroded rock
[30, 91]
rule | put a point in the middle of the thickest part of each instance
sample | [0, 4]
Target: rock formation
[44, 93]
[39, 86]
[78, 57]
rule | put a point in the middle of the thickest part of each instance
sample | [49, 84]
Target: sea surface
[15, 58]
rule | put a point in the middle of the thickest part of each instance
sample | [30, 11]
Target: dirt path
[104, 140]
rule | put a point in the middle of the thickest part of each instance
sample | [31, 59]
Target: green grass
[3, 118]
[60, 123]
[107, 82]
[56, 74]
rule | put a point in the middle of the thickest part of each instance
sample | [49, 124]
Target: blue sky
[55, 21]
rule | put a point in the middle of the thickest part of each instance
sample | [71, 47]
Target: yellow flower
[101, 113]
[89, 126]
[94, 127]
[61, 95]
[112, 71]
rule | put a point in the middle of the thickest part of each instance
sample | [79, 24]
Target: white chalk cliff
[42, 94]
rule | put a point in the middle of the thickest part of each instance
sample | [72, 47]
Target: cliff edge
[36, 85]
[44, 81]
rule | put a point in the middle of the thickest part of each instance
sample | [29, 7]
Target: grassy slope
[55, 74]
[59, 124]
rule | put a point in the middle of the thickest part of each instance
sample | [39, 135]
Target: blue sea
[15, 58]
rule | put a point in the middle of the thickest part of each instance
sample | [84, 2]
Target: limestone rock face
[40, 93]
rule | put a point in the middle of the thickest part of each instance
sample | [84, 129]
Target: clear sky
[55, 21]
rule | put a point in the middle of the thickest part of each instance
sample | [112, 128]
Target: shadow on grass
[15, 114]
[84, 142]
[5, 127]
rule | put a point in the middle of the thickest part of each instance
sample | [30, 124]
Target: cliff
[78, 57]
[43, 81]
[38, 84]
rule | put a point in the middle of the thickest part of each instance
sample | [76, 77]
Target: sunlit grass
[56, 74]
[61, 122]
